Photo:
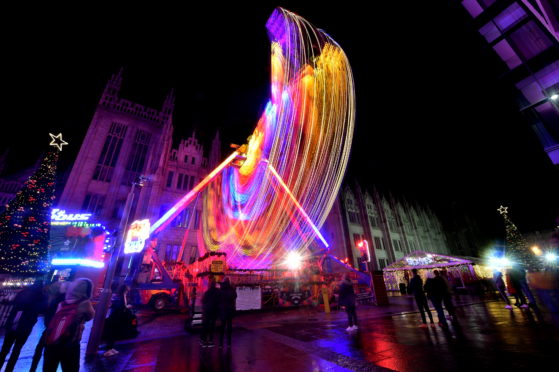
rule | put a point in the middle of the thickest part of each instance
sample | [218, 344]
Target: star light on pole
[57, 141]
[502, 210]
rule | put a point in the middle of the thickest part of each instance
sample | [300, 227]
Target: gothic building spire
[215, 151]
[169, 103]
[113, 85]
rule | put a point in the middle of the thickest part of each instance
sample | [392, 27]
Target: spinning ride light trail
[302, 139]
[309, 221]
[181, 204]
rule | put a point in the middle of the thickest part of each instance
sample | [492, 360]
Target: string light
[25, 224]
[517, 246]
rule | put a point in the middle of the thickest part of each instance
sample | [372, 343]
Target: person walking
[64, 333]
[500, 284]
[116, 319]
[55, 292]
[347, 299]
[210, 308]
[435, 289]
[416, 288]
[227, 300]
[517, 275]
[447, 296]
[512, 289]
[28, 304]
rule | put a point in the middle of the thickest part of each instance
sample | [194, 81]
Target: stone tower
[124, 140]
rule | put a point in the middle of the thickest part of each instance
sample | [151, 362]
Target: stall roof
[332, 264]
[426, 260]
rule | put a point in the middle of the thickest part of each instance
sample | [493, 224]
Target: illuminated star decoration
[502, 210]
[57, 141]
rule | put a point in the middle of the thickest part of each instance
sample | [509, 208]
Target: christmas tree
[517, 247]
[25, 224]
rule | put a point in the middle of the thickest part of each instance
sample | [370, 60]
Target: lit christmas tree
[25, 224]
[517, 247]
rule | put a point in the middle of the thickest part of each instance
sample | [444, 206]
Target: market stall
[461, 272]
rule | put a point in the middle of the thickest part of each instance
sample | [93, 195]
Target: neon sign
[60, 215]
[417, 261]
[136, 236]
[77, 261]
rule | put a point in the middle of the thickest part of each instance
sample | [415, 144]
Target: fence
[6, 298]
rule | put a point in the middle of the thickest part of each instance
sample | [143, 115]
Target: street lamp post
[365, 243]
[553, 98]
[106, 293]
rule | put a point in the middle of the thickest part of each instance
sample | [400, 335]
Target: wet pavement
[486, 336]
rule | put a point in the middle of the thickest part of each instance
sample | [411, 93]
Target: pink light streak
[183, 203]
[294, 200]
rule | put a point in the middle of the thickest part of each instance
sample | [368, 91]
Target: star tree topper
[502, 210]
[57, 141]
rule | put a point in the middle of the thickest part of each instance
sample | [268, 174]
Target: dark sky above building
[434, 122]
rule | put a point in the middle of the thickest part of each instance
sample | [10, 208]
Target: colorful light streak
[303, 139]
[183, 203]
[294, 200]
[77, 262]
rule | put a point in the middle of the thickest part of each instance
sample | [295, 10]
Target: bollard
[326, 300]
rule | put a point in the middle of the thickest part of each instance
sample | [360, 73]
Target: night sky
[434, 122]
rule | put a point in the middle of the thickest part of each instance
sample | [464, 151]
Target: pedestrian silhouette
[416, 288]
[447, 296]
[210, 312]
[28, 304]
[55, 292]
[347, 299]
[227, 300]
[436, 289]
[500, 284]
[64, 333]
[518, 278]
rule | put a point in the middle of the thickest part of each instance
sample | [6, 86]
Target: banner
[249, 298]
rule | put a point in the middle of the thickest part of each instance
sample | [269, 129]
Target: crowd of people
[65, 306]
[436, 289]
[516, 285]
[218, 302]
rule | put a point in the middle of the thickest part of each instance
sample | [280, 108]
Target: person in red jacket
[64, 334]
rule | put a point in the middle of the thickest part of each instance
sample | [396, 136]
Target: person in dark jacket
[115, 322]
[436, 288]
[447, 297]
[28, 304]
[416, 288]
[513, 276]
[55, 292]
[347, 299]
[518, 278]
[210, 310]
[500, 284]
[227, 300]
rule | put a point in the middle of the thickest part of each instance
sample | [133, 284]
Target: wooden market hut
[463, 272]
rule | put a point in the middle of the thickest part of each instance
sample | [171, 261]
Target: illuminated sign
[60, 215]
[77, 261]
[217, 266]
[418, 261]
[136, 236]
[77, 236]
